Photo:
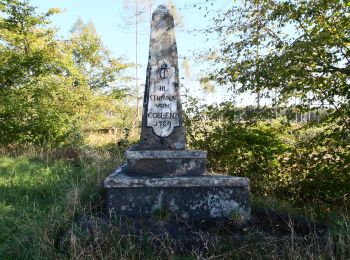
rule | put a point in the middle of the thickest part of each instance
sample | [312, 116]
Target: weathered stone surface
[166, 163]
[162, 121]
[154, 154]
[160, 174]
[119, 179]
[187, 198]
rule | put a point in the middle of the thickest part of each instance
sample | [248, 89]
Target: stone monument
[160, 174]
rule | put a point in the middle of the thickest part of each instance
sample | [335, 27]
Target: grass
[39, 197]
[43, 195]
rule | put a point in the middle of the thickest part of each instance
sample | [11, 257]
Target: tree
[28, 49]
[37, 101]
[92, 58]
[293, 48]
[47, 85]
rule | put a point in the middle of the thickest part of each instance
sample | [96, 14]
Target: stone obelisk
[162, 121]
[162, 149]
[160, 174]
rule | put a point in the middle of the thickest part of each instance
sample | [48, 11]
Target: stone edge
[118, 179]
[176, 154]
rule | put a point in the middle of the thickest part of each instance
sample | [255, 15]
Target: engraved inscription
[163, 71]
[162, 114]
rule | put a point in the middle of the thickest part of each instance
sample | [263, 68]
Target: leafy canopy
[294, 49]
[47, 85]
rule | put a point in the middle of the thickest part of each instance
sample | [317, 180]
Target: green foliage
[317, 169]
[289, 49]
[28, 48]
[294, 163]
[240, 148]
[43, 199]
[35, 100]
[47, 86]
[41, 195]
[45, 112]
[295, 53]
[92, 58]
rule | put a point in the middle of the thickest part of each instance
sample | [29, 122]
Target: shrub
[299, 163]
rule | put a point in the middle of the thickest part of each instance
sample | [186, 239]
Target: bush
[317, 168]
[298, 163]
[238, 147]
[47, 111]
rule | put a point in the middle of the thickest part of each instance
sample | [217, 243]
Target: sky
[109, 16]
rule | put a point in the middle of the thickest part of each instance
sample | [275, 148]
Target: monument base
[190, 198]
[155, 163]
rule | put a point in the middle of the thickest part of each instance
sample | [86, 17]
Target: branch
[345, 71]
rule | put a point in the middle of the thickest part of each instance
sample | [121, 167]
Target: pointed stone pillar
[162, 149]
[162, 121]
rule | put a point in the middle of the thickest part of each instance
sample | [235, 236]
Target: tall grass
[42, 193]
[43, 196]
